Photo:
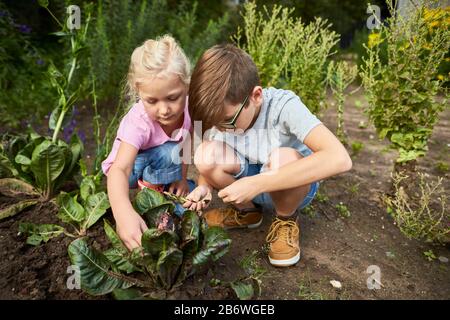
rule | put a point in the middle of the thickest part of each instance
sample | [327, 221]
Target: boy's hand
[199, 198]
[130, 228]
[181, 187]
[240, 191]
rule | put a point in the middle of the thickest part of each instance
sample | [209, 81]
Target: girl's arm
[129, 223]
[329, 158]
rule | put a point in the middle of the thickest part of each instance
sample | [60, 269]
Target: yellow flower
[374, 39]
[440, 77]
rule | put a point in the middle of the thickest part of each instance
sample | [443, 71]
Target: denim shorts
[159, 165]
[247, 169]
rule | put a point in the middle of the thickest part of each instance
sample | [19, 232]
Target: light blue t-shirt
[283, 121]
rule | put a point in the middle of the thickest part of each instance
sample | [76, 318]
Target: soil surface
[333, 247]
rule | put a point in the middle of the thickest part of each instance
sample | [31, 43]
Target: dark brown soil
[333, 247]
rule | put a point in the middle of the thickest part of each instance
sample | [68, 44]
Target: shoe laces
[234, 216]
[284, 230]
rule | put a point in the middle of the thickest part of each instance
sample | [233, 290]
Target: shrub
[402, 93]
[288, 52]
[421, 216]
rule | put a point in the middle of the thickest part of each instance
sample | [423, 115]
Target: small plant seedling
[322, 198]
[430, 255]
[357, 146]
[442, 166]
[343, 210]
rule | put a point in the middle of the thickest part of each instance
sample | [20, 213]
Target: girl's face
[164, 99]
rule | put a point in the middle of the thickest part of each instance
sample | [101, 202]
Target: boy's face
[245, 116]
[164, 99]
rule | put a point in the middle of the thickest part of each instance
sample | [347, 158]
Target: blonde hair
[159, 57]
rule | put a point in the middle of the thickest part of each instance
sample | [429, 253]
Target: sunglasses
[231, 124]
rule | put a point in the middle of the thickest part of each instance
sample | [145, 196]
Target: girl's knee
[282, 156]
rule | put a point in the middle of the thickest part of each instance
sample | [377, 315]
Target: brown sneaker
[284, 243]
[230, 217]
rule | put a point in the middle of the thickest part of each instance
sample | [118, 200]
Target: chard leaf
[128, 294]
[47, 163]
[216, 244]
[16, 208]
[13, 187]
[69, 208]
[38, 233]
[244, 291]
[87, 187]
[169, 263]
[190, 233]
[95, 207]
[155, 241]
[148, 199]
[119, 259]
[114, 237]
[96, 275]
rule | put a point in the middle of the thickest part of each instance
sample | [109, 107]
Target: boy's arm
[329, 158]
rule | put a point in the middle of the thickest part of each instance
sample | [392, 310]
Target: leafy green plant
[343, 210]
[421, 216]
[79, 210]
[357, 146]
[340, 75]
[34, 168]
[288, 52]
[429, 255]
[402, 92]
[172, 250]
[442, 166]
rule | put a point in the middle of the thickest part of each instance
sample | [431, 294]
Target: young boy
[265, 150]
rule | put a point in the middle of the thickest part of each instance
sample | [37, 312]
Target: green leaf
[113, 237]
[47, 163]
[168, 265]
[127, 294]
[69, 209]
[55, 116]
[148, 199]
[190, 233]
[43, 3]
[95, 207]
[87, 187]
[38, 233]
[119, 259]
[216, 245]
[13, 187]
[16, 208]
[96, 275]
[244, 291]
[7, 165]
[155, 241]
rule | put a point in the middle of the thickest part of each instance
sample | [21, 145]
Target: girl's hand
[199, 198]
[130, 228]
[240, 191]
[181, 187]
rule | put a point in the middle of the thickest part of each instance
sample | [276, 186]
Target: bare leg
[217, 163]
[286, 201]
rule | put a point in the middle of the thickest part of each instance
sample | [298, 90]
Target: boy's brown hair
[223, 74]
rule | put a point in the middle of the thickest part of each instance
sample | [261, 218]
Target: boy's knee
[205, 157]
[282, 156]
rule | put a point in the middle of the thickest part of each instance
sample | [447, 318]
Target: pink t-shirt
[137, 129]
